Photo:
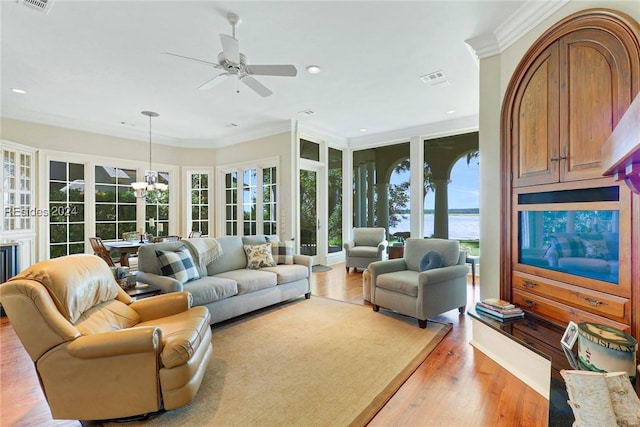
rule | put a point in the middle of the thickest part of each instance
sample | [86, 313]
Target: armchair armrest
[387, 266]
[382, 246]
[117, 343]
[348, 245]
[162, 305]
[166, 284]
[437, 275]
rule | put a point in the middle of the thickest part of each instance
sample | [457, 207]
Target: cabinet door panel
[595, 91]
[535, 124]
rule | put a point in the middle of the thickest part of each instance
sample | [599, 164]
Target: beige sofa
[226, 287]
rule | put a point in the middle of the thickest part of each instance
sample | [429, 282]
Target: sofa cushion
[282, 252]
[288, 273]
[431, 260]
[364, 251]
[209, 289]
[233, 256]
[177, 264]
[250, 280]
[404, 282]
[259, 256]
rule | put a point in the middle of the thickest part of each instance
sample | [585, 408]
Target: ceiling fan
[234, 63]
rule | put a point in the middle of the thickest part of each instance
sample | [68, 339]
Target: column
[441, 214]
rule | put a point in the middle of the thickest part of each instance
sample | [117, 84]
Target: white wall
[495, 73]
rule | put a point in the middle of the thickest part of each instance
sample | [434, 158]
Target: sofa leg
[376, 307]
[422, 323]
[462, 309]
[307, 295]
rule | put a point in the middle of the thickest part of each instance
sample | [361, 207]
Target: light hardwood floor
[455, 386]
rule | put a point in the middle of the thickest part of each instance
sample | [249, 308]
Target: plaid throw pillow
[282, 252]
[568, 246]
[177, 264]
[259, 256]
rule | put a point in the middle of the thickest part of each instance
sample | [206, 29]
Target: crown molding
[431, 130]
[513, 28]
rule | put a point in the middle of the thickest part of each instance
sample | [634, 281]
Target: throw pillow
[431, 260]
[282, 252]
[596, 248]
[177, 264]
[568, 246]
[259, 256]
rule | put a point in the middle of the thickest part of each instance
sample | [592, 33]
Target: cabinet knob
[531, 326]
[529, 284]
[530, 303]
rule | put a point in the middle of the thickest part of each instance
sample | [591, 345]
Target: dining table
[125, 248]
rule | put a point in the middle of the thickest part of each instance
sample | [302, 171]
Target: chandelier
[150, 183]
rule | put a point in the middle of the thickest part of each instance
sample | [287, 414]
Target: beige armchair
[368, 245]
[398, 284]
[98, 354]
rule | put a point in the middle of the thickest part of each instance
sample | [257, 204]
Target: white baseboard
[531, 368]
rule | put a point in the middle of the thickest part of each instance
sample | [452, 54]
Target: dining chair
[159, 239]
[100, 249]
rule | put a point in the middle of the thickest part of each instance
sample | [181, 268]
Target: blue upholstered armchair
[368, 245]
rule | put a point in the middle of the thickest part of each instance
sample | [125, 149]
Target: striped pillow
[177, 264]
[282, 252]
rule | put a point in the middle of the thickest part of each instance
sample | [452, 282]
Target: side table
[142, 290]
[395, 251]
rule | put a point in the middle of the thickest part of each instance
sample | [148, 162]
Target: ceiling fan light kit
[234, 63]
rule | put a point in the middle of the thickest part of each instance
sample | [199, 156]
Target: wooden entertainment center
[564, 100]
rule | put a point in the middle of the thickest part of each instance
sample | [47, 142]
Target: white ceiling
[95, 65]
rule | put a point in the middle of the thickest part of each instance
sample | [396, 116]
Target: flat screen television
[579, 242]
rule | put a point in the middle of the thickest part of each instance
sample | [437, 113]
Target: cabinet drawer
[559, 313]
[610, 306]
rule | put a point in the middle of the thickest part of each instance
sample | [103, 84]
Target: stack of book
[499, 309]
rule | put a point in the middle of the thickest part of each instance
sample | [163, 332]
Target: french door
[313, 234]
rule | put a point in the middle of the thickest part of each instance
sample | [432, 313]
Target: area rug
[320, 268]
[316, 362]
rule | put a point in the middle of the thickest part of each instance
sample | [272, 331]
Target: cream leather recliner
[98, 354]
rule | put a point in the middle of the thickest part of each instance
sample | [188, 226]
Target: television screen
[583, 243]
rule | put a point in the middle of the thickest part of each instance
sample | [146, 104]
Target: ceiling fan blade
[230, 48]
[214, 81]
[272, 70]
[212, 64]
[258, 87]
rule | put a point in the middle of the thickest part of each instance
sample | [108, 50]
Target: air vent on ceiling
[437, 78]
[43, 6]
[307, 112]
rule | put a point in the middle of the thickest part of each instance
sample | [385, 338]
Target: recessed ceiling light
[363, 130]
[232, 125]
[20, 91]
[451, 111]
[313, 69]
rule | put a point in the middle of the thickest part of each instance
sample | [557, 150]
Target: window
[231, 203]
[255, 209]
[199, 220]
[157, 209]
[269, 189]
[335, 200]
[66, 208]
[115, 202]
[17, 190]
